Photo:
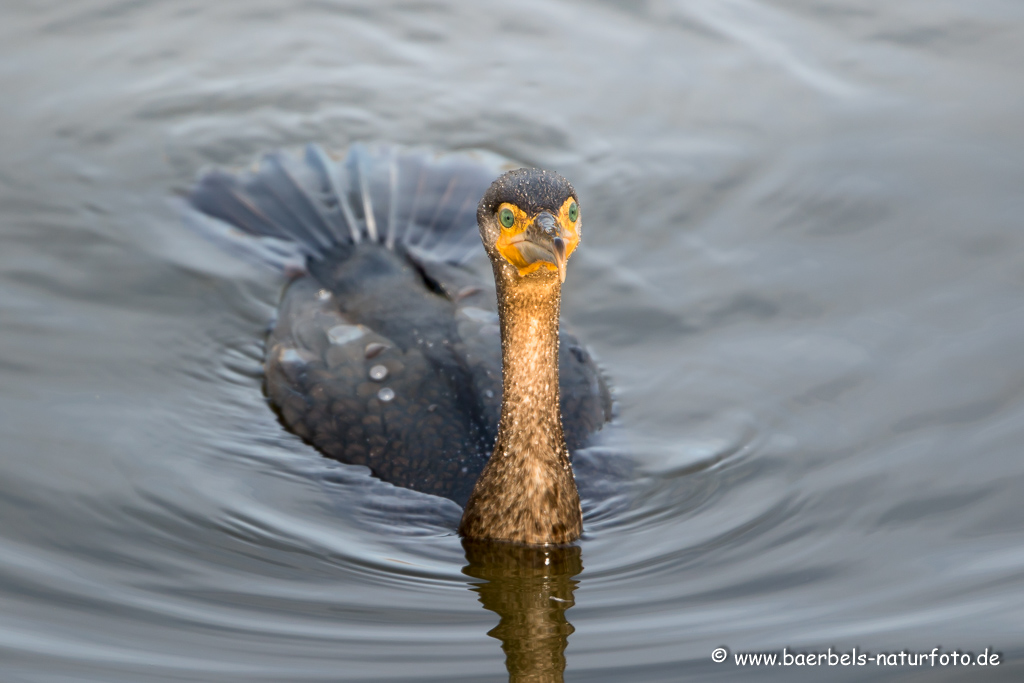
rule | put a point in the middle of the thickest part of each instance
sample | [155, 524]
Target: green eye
[574, 212]
[506, 218]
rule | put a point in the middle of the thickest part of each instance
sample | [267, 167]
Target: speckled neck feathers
[527, 493]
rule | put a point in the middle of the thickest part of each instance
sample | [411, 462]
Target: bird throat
[527, 493]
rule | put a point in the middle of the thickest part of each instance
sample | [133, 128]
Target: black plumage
[386, 350]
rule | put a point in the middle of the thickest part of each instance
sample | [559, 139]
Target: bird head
[530, 219]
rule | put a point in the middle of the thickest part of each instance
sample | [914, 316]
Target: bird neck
[531, 418]
[527, 493]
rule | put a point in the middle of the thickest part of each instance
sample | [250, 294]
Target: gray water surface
[803, 273]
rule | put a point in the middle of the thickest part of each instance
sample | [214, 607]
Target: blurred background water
[804, 275]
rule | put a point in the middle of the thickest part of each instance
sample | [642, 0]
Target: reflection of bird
[387, 351]
[530, 588]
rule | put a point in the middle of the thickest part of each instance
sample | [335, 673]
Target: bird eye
[506, 218]
[574, 212]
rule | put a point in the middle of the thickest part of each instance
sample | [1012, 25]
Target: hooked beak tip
[560, 257]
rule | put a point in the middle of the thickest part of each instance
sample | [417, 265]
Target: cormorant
[391, 350]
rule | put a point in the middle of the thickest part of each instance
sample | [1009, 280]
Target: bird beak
[544, 243]
[560, 256]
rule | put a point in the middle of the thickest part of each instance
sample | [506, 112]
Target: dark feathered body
[386, 351]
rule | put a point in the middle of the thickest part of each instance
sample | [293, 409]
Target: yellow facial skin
[511, 239]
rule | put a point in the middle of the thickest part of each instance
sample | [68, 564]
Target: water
[803, 272]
